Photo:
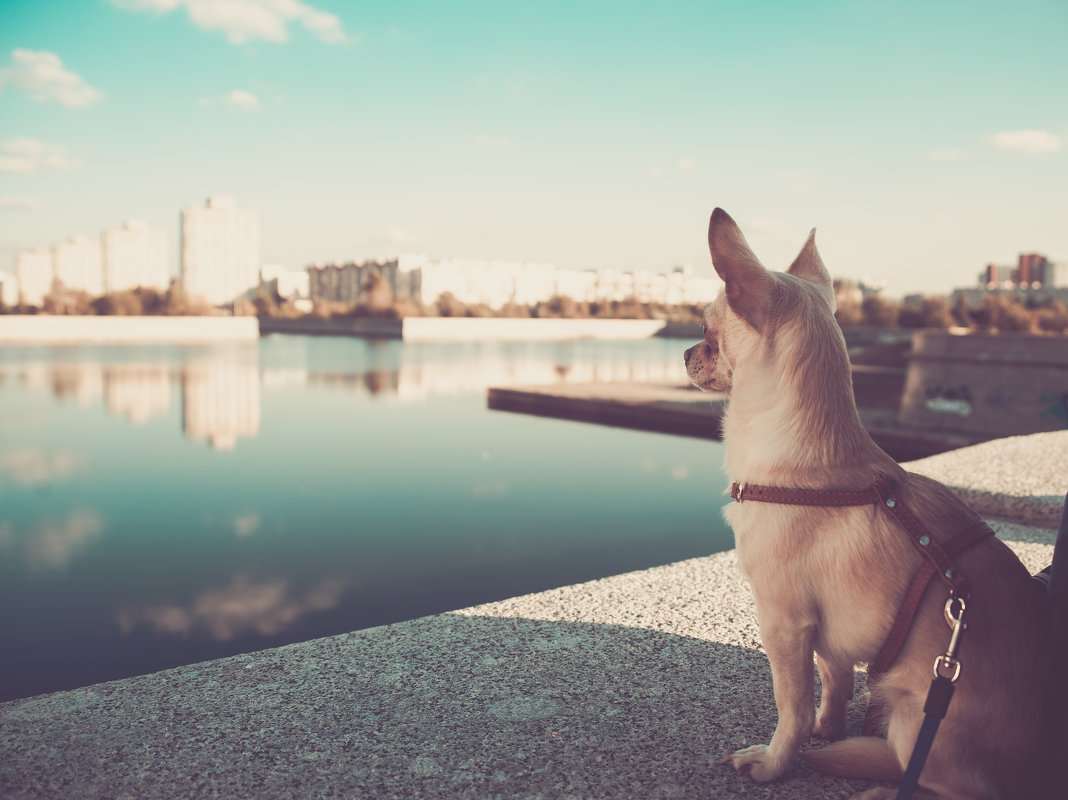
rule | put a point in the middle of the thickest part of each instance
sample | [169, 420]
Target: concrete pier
[62, 329]
[628, 687]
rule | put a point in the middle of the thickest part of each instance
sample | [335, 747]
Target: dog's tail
[857, 757]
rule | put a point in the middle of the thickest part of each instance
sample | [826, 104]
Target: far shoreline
[85, 329]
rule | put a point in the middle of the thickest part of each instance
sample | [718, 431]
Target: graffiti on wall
[948, 399]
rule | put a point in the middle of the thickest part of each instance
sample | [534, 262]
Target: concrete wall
[425, 329]
[1001, 384]
[47, 329]
[469, 329]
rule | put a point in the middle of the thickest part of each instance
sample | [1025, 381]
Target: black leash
[946, 672]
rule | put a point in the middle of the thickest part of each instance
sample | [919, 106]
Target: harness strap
[881, 493]
[906, 614]
[911, 602]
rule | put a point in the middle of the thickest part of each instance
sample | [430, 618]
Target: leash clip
[947, 665]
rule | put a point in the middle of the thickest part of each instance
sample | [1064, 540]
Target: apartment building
[500, 283]
[78, 264]
[33, 271]
[220, 251]
[135, 255]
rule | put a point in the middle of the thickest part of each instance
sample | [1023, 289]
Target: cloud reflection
[33, 467]
[243, 607]
[54, 544]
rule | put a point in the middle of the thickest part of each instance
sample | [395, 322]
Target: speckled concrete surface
[1020, 478]
[628, 687]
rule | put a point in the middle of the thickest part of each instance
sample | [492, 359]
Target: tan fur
[829, 580]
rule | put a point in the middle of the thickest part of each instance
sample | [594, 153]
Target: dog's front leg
[789, 647]
[838, 684]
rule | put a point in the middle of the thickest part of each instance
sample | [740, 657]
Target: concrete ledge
[630, 686]
[468, 329]
[46, 329]
[1023, 478]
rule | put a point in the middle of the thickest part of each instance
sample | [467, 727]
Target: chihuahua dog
[829, 580]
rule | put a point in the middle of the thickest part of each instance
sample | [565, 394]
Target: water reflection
[54, 543]
[35, 467]
[221, 387]
[220, 402]
[138, 392]
[368, 483]
[245, 606]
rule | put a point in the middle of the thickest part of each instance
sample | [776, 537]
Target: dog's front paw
[762, 766]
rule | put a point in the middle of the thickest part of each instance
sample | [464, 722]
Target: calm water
[165, 505]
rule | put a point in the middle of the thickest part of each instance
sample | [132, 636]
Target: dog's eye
[704, 330]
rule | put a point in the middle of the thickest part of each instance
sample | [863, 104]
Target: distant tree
[152, 300]
[449, 305]
[878, 312]
[933, 312]
[849, 314]
[376, 292]
[512, 309]
[1001, 313]
[559, 306]
[1053, 317]
[962, 314]
[177, 303]
[266, 303]
[63, 300]
[126, 303]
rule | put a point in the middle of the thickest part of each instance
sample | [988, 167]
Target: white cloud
[499, 142]
[238, 98]
[30, 155]
[247, 20]
[42, 76]
[1026, 141]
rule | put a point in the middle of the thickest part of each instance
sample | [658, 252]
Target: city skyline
[923, 142]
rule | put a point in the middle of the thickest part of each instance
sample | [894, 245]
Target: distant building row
[124, 258]
[1032, 271]
[500, 283]
[220, 258]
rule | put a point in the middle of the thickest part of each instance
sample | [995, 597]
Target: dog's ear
[749, 285]
[809, 266]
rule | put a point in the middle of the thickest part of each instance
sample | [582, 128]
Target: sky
[923, 140]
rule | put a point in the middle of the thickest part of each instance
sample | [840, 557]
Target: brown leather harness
[937, 559]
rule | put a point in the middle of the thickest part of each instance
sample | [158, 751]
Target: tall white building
[220, 250]
[33, 269]
[78, 264]
[9, 289]
[135, 255]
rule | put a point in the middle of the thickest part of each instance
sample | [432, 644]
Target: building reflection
[220, 401]
[419, 381]
[82, 384]
[138, 392]
[221, 387]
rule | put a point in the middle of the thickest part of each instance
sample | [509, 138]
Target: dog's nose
[686, 356]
